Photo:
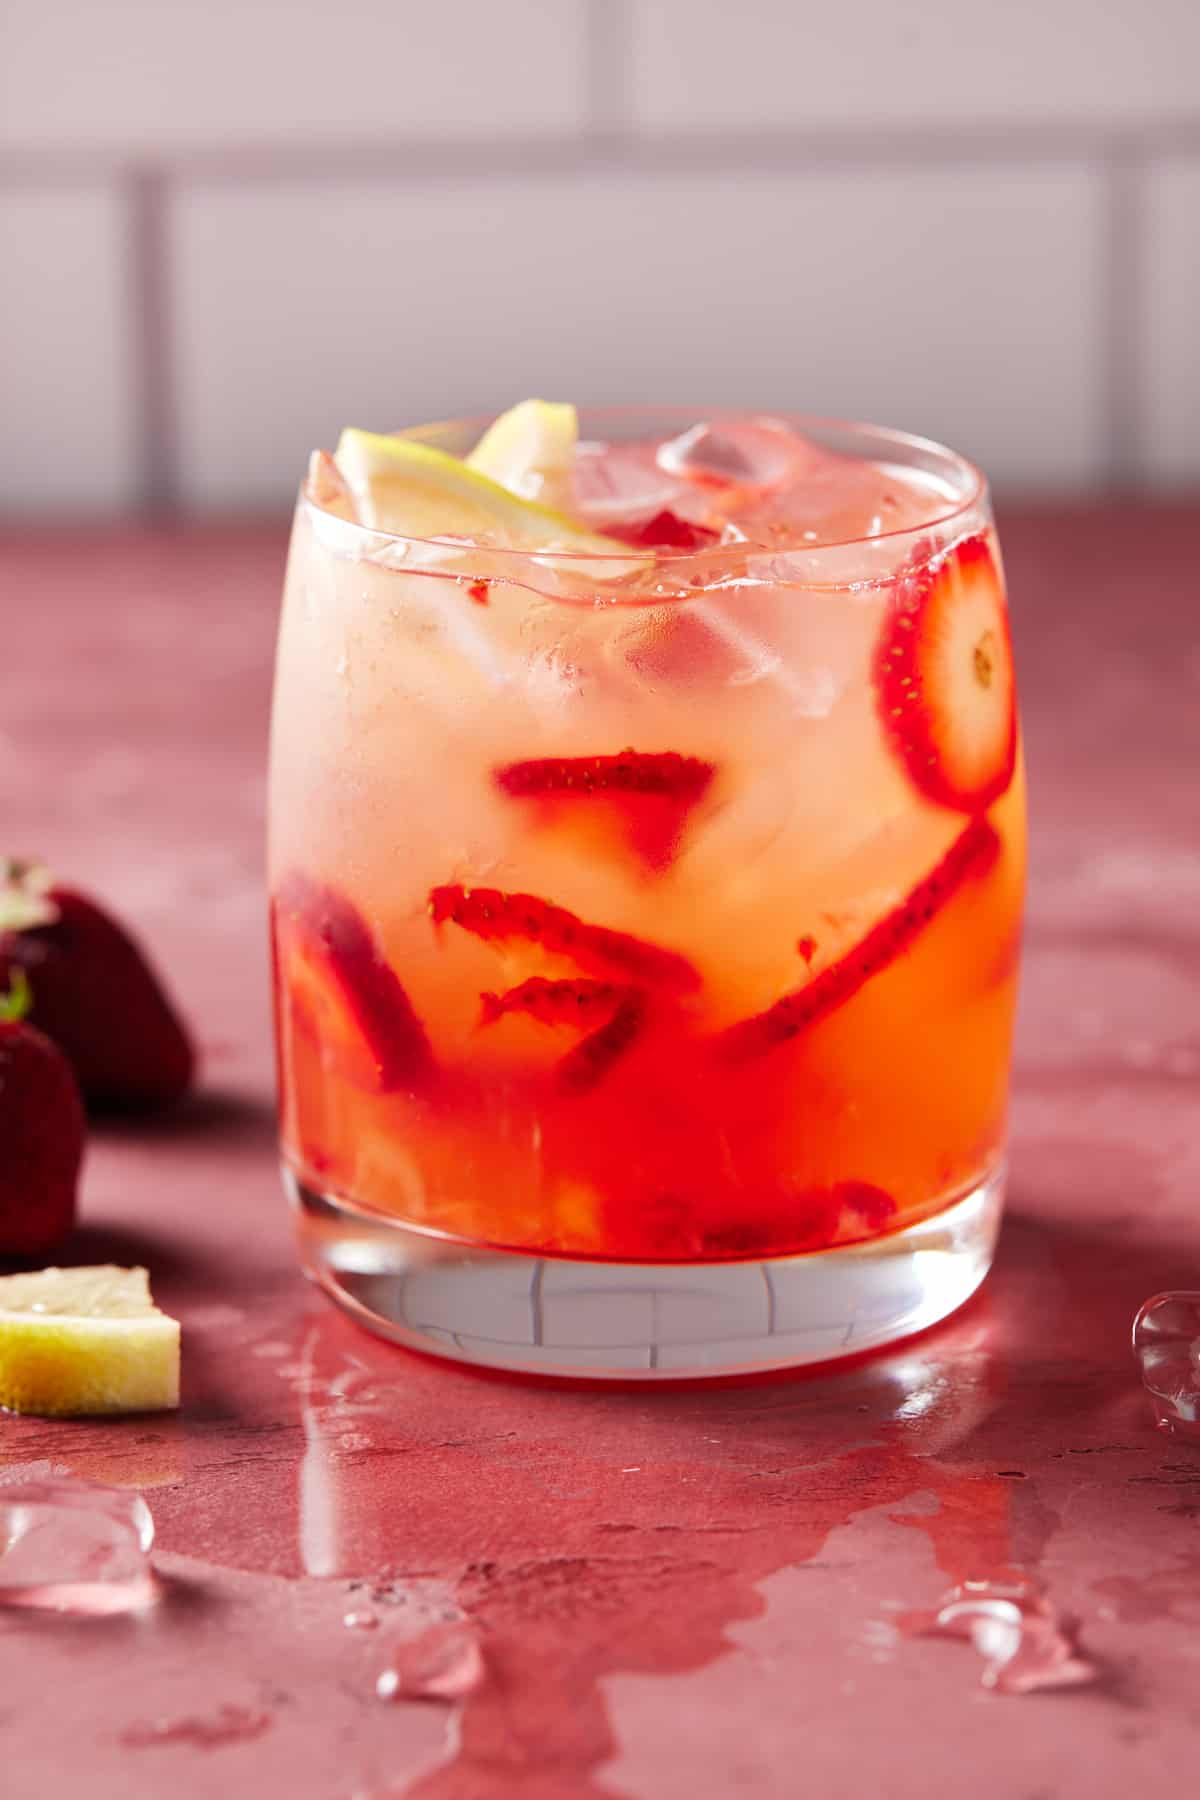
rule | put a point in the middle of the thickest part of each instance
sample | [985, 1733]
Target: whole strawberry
[41, 1133]
[94, 993]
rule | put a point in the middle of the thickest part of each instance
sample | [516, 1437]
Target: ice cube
[68, 1545]
[748, 453]
[1025, 1643]
[623, 482]
[443, 1663]
[1166, 1343]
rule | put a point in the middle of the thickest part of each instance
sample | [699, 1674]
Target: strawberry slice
[814, 1219]
[654, 790]
[972, 851]
[863, 1207]
[590, 1061]
[581, 1002]
[665, 530]
[336, 986]
[664, 774]
[622, 1011]
[499, 918]
[944, 680]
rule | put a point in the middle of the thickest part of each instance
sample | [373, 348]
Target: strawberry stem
[16, 1003]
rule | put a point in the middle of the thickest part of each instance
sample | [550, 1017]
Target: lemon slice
[530, 450]
[416, 491]
[85, 1341]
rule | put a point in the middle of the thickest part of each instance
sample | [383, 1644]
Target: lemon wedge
[412, 489]
[530, 450]
[90, 1340]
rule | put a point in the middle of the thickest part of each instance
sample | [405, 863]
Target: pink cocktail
[647, 888]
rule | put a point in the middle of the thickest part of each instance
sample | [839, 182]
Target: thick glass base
[549, 1315]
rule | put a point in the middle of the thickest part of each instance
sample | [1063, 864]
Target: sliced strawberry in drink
[842, 1214]
[654, 791]
[944, 678]
[572, 1002]
[971, 852]
[863, 1208]
[785, 1223]
[614, 1015]
[497, 917]
[665, 774]
[590, 1061]
[663, 1227]
[336, 984]
[665, 530]
[813, 1219]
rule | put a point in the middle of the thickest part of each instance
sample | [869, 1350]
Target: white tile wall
[978, 221]
[155, 75]
[66, 430]
[703, 63]
[1172, 425]
[960, 304]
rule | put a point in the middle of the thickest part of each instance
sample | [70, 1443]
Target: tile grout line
[147, 200]
[1123, 286]
[610, 143]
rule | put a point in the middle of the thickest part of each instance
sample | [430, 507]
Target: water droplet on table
[444, 1663]
[1166, 1343]
[68, 1545]
[1026, 1644]
[360, 1618]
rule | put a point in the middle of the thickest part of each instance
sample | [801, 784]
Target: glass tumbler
[646, 930]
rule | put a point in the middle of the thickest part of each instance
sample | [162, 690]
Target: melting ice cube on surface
[443, 1663]
[1166, 1343]
[1025, 1642]
[68, 1545]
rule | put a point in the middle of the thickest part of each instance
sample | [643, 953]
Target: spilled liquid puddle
[361, 1618]
[564, 1584]
[640, 1592]
[1172, 1592]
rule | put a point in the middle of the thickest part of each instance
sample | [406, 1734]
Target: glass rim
[910, 444]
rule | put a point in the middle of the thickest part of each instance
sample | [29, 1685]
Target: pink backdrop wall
[228, 227]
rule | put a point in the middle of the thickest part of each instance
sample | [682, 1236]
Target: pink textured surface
[680, 1593]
